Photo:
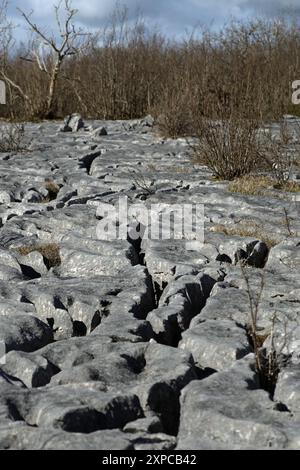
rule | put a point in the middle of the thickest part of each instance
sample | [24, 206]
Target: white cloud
[173, 16]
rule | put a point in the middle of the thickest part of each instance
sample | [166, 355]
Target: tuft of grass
[251, 185]
[288, 186]
[53, 190]
[246, 229]
[256, 185]
[49, 251]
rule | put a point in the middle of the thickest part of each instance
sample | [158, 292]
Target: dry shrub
[50, 252]
[279, 153]
[175, 120]
[267, 362]
[175, 110]
[228, 147]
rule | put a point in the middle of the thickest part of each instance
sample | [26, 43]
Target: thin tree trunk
[52, 89]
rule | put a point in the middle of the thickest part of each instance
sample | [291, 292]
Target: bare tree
[4, 25]
[5, 32]
[49, 51]
[6, 40]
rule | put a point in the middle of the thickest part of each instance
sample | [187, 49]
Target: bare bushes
[176, 118]
[279, 153]
[132, 71]
[228, 147]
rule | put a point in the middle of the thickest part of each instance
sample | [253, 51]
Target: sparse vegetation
[140, 182]
[288, 186]
[267, 362]
[279, 153]
[253, 185]
[50, 252]
[246, 229]
[256, 185]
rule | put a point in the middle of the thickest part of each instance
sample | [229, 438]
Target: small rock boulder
[73, 123]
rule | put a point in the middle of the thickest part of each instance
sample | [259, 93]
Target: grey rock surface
[228, 410]
[109, 341]
[216, 344]
[24, 333]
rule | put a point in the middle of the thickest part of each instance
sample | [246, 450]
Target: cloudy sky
[174, 17]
